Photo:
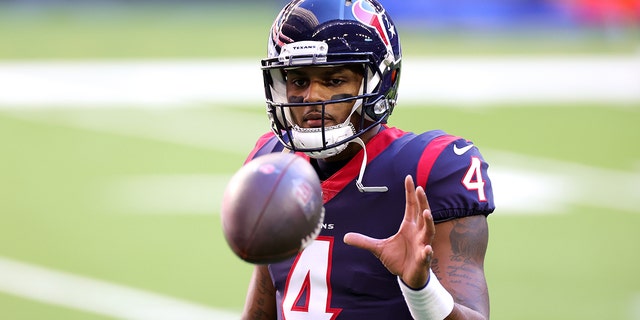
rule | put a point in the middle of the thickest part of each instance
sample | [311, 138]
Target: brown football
[272, 208]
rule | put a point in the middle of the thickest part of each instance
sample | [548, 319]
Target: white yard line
[472, 81]
[97, 296]
[201, 130]
[139, 82]
[482, 80]
[522, 185]
[534, 184]
[165, 194]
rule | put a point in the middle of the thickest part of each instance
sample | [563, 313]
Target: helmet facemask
[324, 141]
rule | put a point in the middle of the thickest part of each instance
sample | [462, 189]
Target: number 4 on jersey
[473, 178]
[313, 262]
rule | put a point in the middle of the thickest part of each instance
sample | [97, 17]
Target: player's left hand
[407, 253]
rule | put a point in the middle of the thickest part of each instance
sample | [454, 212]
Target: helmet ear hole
[381, 108]
[378, 110]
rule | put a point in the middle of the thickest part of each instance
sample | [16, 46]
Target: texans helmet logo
[365, 13]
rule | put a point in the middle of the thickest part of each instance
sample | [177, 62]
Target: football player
[405, 231]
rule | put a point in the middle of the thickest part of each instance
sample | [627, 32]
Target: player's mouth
[314, 120]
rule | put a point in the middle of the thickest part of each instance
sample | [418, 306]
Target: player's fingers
[423, 204]
[363, 242]
[411, 206]
[430, 230]
[422, 199]
[427, 255]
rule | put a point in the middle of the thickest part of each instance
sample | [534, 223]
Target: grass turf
[578, 264]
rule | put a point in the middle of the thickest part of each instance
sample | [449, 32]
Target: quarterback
[405, 230]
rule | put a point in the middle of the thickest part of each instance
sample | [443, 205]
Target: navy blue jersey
[331, 280]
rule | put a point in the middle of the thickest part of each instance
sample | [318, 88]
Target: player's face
[317, 84]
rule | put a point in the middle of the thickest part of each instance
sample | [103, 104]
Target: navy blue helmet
[332, 33]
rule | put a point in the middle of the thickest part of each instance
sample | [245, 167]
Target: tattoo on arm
[467, 254]
[465, 269]
[262, 303]
[262, 300]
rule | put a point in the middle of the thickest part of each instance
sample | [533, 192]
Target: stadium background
[109, 208]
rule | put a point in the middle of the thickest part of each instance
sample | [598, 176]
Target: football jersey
[331, 280]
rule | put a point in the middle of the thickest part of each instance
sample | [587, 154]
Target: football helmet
[332, 33]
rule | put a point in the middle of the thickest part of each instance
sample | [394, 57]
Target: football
[272, 208]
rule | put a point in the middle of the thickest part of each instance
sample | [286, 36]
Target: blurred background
[122, 121]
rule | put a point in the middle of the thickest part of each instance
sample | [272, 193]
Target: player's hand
[407, 253]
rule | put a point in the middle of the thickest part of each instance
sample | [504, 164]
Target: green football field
[113, 213]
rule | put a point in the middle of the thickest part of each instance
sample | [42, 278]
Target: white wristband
[433, 302]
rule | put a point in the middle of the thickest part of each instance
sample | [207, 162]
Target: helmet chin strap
[359, 185]
[312, 138]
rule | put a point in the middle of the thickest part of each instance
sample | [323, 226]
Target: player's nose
[315, 92]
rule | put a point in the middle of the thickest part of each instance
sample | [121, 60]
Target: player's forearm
[434, 302]
[260, 303]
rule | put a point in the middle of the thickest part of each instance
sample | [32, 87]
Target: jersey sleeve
[457, 182]
[267, 143]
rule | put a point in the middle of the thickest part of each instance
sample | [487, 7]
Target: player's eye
[299, 82]
[335, 82]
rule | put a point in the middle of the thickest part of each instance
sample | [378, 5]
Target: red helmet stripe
[371, 18]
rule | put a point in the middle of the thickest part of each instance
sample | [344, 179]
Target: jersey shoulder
[455, 175]
[267, 143]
